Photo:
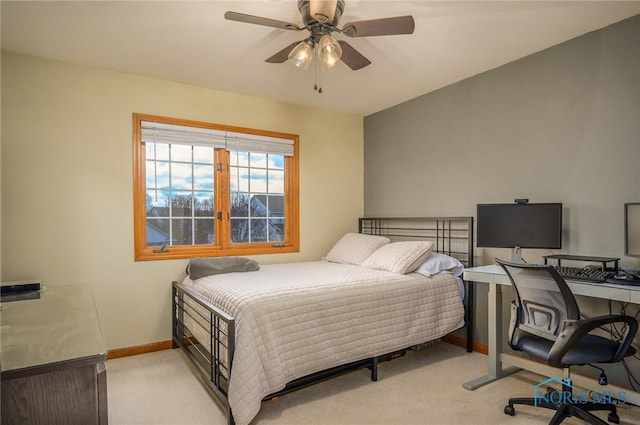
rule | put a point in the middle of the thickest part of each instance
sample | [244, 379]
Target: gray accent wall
[561, 125]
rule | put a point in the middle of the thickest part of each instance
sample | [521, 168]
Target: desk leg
[495, 341]
[495, 329]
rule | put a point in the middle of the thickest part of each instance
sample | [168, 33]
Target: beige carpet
[421, 388]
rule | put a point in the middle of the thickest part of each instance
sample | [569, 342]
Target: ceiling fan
[320, 18]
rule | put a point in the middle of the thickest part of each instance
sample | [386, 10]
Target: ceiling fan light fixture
[329, 51]
[321, 18]
[302, 54]
[323, 10]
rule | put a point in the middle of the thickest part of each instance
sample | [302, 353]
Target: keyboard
[624, 281]
[585, 274]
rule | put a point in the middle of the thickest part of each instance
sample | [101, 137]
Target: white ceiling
[191, 42]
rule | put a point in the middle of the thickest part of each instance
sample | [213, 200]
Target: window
[211, 190]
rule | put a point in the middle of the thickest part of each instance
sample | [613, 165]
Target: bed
[255, 335]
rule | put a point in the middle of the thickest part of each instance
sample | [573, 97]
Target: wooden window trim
[292, 228]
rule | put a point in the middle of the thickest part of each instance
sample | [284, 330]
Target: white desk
[495, 276]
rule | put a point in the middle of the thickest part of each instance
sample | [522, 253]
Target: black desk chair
[546, 325]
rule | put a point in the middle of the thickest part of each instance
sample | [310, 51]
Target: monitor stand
[516, 255]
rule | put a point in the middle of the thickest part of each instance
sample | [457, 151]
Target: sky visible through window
[180, 188]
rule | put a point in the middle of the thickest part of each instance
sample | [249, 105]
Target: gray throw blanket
[201, 267]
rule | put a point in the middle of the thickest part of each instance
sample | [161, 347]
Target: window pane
[150, 169]
[259, 230]
[258, 160]
[205, 232]
[150, 151]
[181, 177]
[239, 204]
[181, 205]
[203, 177]
[240, 159]
[204, 205]
[276, 161]
[276, 230]
[162, 151]
[157, 203]
[276, 181]
[258, 181]
[181, 230]
[239, 179]
[157, 231]
[239, 230]
[181, 153]
[202, 155]
[157, 174]
[259, 206]
[276, 206]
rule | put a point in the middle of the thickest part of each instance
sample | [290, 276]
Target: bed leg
[374, 369]
[174, 319]
[470, 314]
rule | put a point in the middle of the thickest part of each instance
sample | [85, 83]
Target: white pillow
[354, 248]
[400, 257]
[439, 263]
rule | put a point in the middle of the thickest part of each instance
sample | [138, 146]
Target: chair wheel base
[509, 410]
[613, 418]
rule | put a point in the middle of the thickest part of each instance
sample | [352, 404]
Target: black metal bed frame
[214, 358]
[452, 236]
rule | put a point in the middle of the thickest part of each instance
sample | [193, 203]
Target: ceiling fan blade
[283, 55]
[258, 20]
[351, 57]
[384, 26]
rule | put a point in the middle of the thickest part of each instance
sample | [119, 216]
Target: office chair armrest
[573, 330]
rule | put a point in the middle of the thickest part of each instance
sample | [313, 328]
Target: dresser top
[59, 326]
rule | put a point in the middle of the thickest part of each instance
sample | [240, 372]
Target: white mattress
[299, 318]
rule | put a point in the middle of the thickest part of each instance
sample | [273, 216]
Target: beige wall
[67, 173]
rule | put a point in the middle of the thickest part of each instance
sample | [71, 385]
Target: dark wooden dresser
[53, 359]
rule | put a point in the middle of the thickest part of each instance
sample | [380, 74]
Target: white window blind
[153, 132]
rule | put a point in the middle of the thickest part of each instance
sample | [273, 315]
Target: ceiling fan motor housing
[304, 6]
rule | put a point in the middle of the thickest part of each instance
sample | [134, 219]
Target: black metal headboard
[450, 235]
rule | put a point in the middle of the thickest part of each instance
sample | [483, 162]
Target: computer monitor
[632, 229]
[520, 225]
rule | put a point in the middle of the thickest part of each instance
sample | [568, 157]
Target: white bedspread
[298, 318]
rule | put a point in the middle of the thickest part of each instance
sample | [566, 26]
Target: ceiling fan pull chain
[319, 76]
[315, 70]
